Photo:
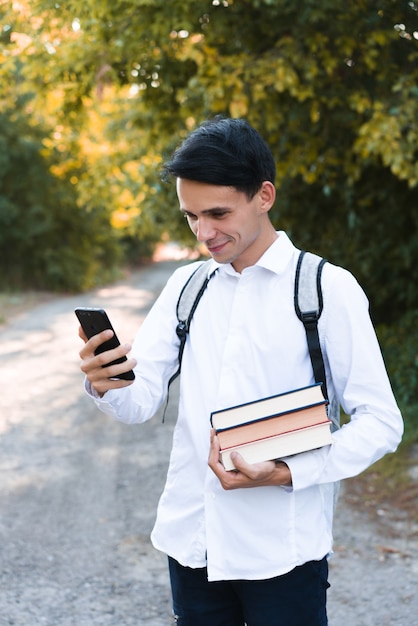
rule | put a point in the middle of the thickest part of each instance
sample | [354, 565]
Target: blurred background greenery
[95, 95]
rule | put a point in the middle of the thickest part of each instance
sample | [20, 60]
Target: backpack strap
[308, 306]
[188, 300]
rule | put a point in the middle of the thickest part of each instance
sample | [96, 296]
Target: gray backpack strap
[188, 300]
[308, 307]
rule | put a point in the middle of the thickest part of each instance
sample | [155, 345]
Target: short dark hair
[224, 151]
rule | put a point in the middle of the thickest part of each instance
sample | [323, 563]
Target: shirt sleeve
[359, 381]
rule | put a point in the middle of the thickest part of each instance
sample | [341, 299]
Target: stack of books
[273, 427]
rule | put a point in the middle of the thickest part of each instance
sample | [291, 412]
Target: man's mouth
[216, 248]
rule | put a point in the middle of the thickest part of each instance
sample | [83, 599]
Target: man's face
[233, 228]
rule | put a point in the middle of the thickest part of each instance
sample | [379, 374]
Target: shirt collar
[277, 257]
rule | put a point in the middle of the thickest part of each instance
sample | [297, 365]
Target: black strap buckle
[181, 330]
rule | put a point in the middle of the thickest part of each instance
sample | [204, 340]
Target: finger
[103, 385]
[102, 365]
[82, 334]
[257, 472]
[249, 469]
[102, 379]
[117, 369]
[108, 356]
[214, 456]
[94, 342]
[241, 465]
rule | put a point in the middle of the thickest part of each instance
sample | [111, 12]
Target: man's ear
[267, 195]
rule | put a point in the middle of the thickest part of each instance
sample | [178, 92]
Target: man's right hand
[102, 378]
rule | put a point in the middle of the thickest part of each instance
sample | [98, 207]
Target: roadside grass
[14, 303]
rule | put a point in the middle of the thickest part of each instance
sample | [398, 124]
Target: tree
[49, 238]
[331, 86]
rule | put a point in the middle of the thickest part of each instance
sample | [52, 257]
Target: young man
[248, 546]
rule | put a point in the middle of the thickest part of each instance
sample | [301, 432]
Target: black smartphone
[94, 321]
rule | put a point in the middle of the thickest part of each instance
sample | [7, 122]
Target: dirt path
[78, 492]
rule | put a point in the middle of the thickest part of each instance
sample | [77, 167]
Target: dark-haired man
[248, 546]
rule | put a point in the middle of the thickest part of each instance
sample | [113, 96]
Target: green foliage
[370, 228]
[331, 85]
[46, 239]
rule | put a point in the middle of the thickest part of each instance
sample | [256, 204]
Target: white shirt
[246, 343]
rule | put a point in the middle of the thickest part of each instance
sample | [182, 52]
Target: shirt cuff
[90, 391]
[306, 467]
[104, 402]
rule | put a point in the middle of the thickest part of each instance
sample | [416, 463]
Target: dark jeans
[297, 598]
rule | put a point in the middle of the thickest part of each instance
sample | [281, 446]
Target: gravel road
[78, 492]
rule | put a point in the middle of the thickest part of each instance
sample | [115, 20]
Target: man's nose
[204, 230]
